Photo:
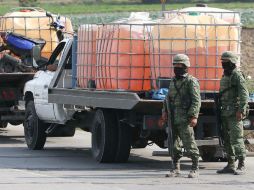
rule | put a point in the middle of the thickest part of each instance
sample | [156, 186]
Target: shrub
[28, 3]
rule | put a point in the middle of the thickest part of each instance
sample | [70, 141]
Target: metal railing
[234, 17]
[133, 57]
[34, 27]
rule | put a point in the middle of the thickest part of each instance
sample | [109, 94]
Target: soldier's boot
[175, 171]
[194, 169]
[229, 168]
[241, 170]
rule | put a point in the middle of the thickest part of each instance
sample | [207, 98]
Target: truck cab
[36, 92]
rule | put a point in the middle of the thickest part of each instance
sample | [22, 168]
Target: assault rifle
[170, 120]
[218, 118]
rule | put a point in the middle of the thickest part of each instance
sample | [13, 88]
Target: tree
[28, 3]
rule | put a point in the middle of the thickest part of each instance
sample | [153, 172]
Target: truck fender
[29, 90]
[28, 96]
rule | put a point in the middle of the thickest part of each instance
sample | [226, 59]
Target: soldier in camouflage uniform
[234, 104]
[184, 103]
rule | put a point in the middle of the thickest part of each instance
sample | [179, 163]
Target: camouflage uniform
[184, 104]
[234, 98]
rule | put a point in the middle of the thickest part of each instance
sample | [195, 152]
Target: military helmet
[181, 58]
[230, 56]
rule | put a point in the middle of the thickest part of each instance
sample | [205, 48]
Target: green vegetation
[105, 8]
[250, 84]
[27, 3]
[83, 8]
[90, 9]
[5, 8]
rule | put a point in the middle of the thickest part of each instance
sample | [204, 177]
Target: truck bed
[112, 99]
[7, 78]
[103, 99]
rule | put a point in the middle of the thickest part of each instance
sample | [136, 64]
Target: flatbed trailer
[22, 29]
[12, 108]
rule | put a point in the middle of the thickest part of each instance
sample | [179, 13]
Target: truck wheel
[208, 154]
[104, 136]
[3, 124]
[124, 143]
[34, 128]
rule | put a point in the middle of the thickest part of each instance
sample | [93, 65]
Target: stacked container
[113, 55]
[223, 14]
[134, 55]
[86, 55]
[122, 63]
[202, 38]
[34, 23]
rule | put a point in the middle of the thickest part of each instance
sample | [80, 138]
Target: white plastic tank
[232, 17]
[203, 38]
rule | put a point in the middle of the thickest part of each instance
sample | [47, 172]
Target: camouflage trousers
[183, 137]
[233, 137]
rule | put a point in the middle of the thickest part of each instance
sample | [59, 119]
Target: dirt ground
[247, 50]
[249, 134]
[247, 63]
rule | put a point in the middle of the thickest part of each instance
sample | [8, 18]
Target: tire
[15, 122]
[104, 136]
[124, 143]
[208, 154]
[3, 124]
[34, 128]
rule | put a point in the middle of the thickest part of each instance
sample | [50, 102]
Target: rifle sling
[177, 90]
[174, 98]
[225, 90]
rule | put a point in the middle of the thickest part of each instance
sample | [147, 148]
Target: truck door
[45, 110]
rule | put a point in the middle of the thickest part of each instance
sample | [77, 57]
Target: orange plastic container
[202, 38]
[34, 24]
[122, 61]
[86, 54]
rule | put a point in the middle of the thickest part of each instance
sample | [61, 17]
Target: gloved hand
[52, 67]
[163, 119]
[239, 116]
[164, 116]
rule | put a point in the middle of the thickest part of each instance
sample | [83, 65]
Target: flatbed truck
[118, 120]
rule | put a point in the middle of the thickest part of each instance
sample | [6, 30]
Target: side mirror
[36, 52]
[36, 55]
[48, 14]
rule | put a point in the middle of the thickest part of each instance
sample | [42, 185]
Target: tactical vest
[229, 95]
[179, 98]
